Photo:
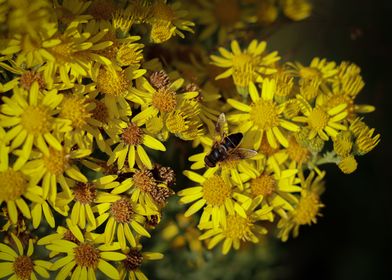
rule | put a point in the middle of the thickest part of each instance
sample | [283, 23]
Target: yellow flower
[262, 116]
[159, 101]
[130, 267]
[296, 9]
[30, 118]
[318, 69]
[247, 66]
[85, 195]
[348, 164]
[56, 167]
[307, 207]
[83, 259]
[130, 139]
[320, 121]
[215, 194]
[238, 229]
[167, 20]
[15, 187]
[120, 214]
[19, 264]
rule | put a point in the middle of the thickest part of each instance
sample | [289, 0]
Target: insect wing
[244, 153]
[221, 126]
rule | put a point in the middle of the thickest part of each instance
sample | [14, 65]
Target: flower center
[318, 119]
[216, 191]
[23, 267]
[68, 235]
[133, 261]
[159, 79]
[74, 108]
[348, 164]
[242, 60]
[307, 209]
[227, 12]
[132, 135]
[296, 152]
[264, 114]
[160, 194]
[161, 31]
[85, 193]
[12, 185]
[87, 256]
[129, 54]
[100, 112]
[36, 120]
[111, 82]
[62, 52]
[56, 162]
[122, 210]
[164, 99]
[144, 180]
[237, 227]
[263, 185]
[309, 73]
[29, 77]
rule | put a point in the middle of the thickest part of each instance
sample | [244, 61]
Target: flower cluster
[92, 94]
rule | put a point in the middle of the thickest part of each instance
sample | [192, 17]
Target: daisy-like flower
[83, 259]
[274, 186]
[129, 139]
[20, 264]
[85, 195]
[130, 267]
[31, 121]
[56, 167]
[168, 20]
[262, 116]
[15, 188]
[321, 121]
[160, 99]
[246, 66]
[318, 69]
[215, 195]
[307, 207]
[238, 229]
[120, 214]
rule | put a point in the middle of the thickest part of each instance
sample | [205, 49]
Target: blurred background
[353, 238]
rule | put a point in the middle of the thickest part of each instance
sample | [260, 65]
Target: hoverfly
[227, 147]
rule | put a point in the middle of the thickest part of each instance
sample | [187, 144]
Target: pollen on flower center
[264, 114]
[111, 82]
[133, 261]
[56, 162]
[307, 209]
[132, 135]
[36, 120]
[100, 112]
[263, 185]
[122, 210]
[74, 108]
[144, 180]
[227, 12]
[62, 52]
[12, 185]
[164, 99]
[318, 119]
[85, 193]
[23, 267]
[237, 227]
[29, 77]
[242, 60]
[87, 255]
[215, 191]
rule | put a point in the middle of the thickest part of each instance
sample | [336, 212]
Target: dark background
[353, 238]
